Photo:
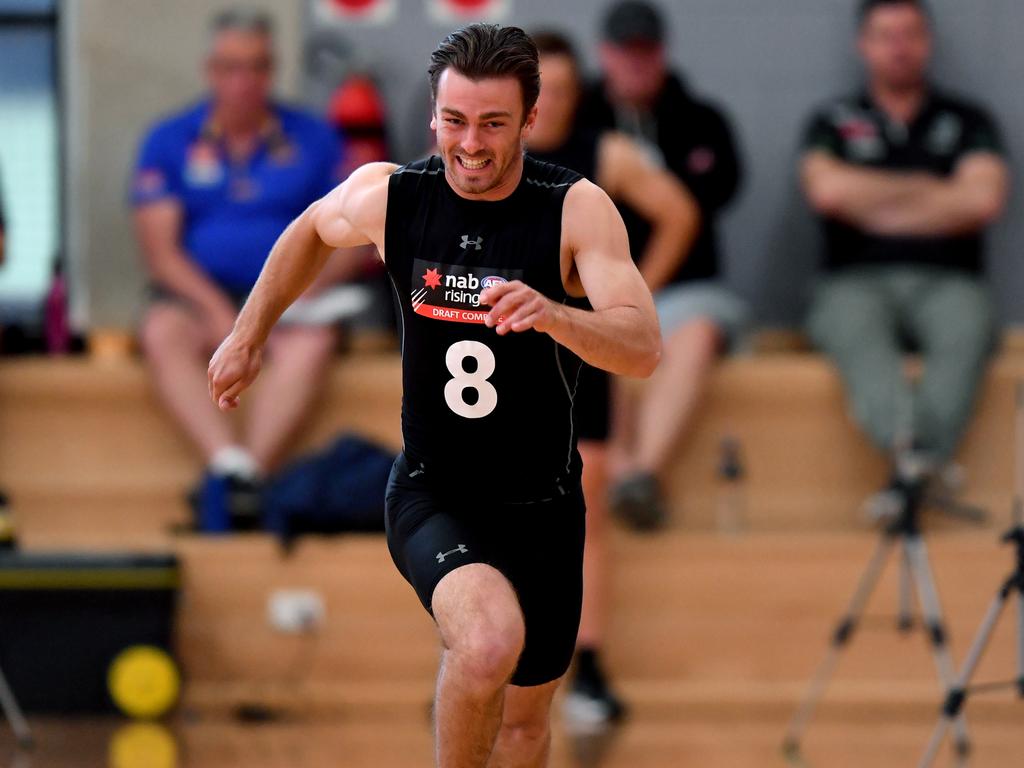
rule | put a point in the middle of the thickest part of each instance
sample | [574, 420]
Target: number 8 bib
[454, 390]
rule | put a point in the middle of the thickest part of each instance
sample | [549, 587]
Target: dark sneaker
[590, 704]
[245, 508]
[8, 539]
[638, 502]
[223, 503]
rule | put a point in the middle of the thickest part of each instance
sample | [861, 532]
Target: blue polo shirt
[234, 210]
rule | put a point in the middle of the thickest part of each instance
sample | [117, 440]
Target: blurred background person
[640, 96]
[619, 166]
[905, 178]
[215, 185]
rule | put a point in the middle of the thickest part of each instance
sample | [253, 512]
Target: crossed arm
[908, 204]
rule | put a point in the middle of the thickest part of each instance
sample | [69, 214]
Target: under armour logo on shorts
[466, 242]
[461, 549]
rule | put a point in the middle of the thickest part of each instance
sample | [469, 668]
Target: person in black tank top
[443, 251]
[621, 168]
[484, 513]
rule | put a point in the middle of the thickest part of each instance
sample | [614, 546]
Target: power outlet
[295, 611]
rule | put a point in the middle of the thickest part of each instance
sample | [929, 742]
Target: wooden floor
[353, 743]
[712, 640]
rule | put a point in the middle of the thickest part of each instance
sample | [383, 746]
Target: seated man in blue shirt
[215, 185]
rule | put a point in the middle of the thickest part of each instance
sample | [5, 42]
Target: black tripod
[903, 532]
[956, 698]
[12, 712]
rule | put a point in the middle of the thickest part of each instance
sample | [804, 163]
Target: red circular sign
[469, 5]
[354, 6]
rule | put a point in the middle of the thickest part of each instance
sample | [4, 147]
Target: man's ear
[531, 120]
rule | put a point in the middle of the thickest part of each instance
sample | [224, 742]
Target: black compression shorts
[537, 546]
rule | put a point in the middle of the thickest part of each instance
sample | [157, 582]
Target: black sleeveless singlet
[481, 413]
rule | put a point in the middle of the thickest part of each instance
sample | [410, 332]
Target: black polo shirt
[693, 140]
[946, 130]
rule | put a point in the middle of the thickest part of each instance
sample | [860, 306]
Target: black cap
[634, 21]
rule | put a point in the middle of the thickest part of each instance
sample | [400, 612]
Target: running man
[485, 513]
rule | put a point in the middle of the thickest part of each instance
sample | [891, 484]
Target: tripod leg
[931, 609]
[13, 713]
[1020, 643]
[840, 638]
[953, 705]
[905, 617]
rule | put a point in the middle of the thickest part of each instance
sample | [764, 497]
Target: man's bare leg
[671, 397]
[481, 626]
[298, 358]
[524, 739]
[176, 351]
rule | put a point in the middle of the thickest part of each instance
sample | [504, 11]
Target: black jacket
[697, 144]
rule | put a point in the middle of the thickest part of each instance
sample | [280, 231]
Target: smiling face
[480, 133]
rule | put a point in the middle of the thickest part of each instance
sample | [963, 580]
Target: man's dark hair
[244, 20]
[480, 51]
[552, 43]
[867, 7]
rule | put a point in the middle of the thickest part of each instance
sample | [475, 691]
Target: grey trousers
[864, 319]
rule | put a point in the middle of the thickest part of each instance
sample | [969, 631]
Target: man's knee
[845, 313]
[166, 331]
[700, 337]
[966, 330]
[304, 345]
[488, 653]
[481, 624]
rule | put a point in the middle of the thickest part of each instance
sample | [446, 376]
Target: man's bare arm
[621, 334]
[628, 175]
[353, 214]
[908, 204]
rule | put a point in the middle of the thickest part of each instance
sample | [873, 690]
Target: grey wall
[766, 62]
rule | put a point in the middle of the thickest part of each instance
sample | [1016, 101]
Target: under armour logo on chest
[466, 242]
[461, 549]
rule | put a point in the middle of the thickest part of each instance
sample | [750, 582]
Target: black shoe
[223, 503]
[637, 501]
[590, 703]
[8, 539]
[245, 505]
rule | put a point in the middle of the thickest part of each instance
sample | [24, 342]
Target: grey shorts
[681, 303]
[335, 305]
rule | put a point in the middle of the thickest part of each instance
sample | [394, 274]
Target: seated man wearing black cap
[638, 95]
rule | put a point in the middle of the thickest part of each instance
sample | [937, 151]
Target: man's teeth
[473, 165]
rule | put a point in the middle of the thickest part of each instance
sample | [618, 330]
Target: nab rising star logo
[492, 281]
[466, 242]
